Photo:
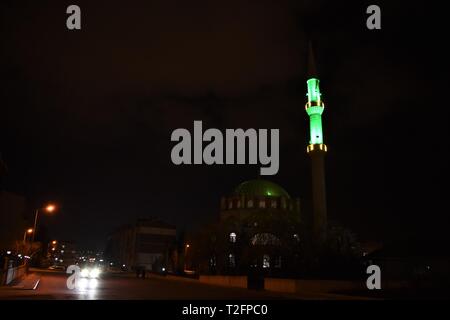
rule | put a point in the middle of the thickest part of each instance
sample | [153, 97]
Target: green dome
[259, 187]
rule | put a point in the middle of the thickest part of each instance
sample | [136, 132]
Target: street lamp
[185, 256]
[49, 208]
[28, 231]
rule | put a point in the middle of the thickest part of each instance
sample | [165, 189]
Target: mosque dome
[260, 187]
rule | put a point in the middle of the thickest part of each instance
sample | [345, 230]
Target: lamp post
[185, 256]
[28, 231]
[49, 208]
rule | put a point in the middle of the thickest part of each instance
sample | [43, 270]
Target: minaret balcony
[316, 147]
[314, 107]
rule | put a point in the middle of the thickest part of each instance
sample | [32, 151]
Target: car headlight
[85, 273]
[94, 273]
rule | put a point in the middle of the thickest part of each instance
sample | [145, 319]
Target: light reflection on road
[87, 288]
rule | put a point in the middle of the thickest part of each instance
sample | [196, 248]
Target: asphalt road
[126, 287]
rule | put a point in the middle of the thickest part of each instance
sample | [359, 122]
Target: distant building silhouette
[13, 221]
[13, 217]
[148, 244]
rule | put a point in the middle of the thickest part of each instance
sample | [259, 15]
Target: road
[126, 287]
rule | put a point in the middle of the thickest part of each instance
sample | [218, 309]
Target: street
[126, 287]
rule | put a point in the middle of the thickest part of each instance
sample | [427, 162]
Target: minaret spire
[312, 70]
[317, 150]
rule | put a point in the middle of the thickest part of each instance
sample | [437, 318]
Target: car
[90, 271]
[62, 268]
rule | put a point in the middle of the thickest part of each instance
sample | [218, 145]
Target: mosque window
[262, 203]
[230, 204]
[274, 204]
[238, 204]
[232, 260]
[250, 203]
[266, 261]
[265, 239]
[277, 263]
[233, 237]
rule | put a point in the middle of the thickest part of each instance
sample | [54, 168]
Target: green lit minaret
[316, 150]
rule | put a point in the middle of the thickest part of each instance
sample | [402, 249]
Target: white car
[90, 272]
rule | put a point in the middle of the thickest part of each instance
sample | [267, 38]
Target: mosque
[260, 225]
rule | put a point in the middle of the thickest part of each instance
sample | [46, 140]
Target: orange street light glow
[50, 208]
[30, 230]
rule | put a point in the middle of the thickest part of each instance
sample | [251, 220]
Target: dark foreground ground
[123, 286]
[52, 285]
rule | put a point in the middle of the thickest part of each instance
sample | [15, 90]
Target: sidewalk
[29, 282]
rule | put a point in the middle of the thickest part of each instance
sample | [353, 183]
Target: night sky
[86, 116]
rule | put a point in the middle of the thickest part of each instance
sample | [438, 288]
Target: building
[256, 195]
[259, 229]
[149, 244]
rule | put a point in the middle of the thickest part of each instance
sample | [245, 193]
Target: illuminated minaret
[316, 150]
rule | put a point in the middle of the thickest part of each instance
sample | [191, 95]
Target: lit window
[266, 261]
[230, 205]
[250, 203]
[233, 237]
[262, 203]
[274, 204]
[238, 204]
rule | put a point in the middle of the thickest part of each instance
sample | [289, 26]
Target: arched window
[266, 261]
[274, 204]
[231, 260]
[262, 203]
[283, 203]
[250, 203]
[238, 204]
[277, 263]
[230, 204]
[212, 262]
[233, 237]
